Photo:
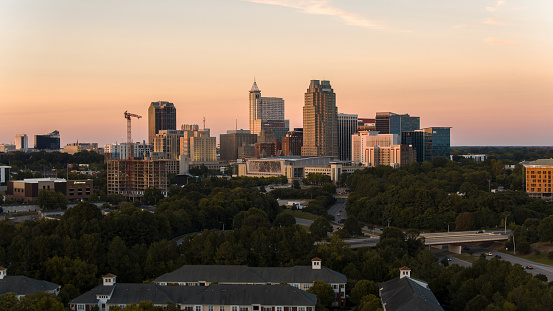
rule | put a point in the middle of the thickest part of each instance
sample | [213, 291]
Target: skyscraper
[161, 116]
[393, 123]
[439, 137]
[48, 141]
[22, 142]
[347, 126]
[320, 121]
[267, 113]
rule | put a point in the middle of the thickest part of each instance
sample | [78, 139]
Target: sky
[485, 68]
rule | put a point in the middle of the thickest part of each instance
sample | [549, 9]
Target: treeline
[433, 195]
[37, 161]
[511, 155]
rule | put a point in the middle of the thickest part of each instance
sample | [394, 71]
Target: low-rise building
[22, 285]
[407, 293]
[27, 190]
[216, 297]
[300, 277]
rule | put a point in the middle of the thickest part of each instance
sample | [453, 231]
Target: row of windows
[242, 308]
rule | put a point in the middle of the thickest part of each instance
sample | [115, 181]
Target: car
[339, 214]
[339, 211]
[447, 258]
[466, 248]
[497, 256]
[529, 267]
[480, 231]
[489, 254]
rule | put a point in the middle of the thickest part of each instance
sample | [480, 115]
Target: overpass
[455, 240]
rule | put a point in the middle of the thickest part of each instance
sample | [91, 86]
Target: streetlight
[447, 226]
[388, 222]
[506, 223]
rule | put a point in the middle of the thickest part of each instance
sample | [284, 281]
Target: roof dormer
[404, 272]
[316, 263]
[109, 279]
[3, 273]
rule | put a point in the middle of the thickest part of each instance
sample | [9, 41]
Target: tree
[324, 292]
[370, 303]
[152, 195]
[464, 221]
[51, 200]
[352, 226]
[284, 220]
[545, 229]
[363, 288]
[296, 184]
[320, 227]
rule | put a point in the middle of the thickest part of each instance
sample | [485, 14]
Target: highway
[338, 210]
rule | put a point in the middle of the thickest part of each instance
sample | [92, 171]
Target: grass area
[467, 257]
[301, 214]
[538, 253]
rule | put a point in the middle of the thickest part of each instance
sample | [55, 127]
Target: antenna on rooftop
[204, 123]
[237, 124]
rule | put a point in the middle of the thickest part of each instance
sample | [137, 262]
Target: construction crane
[129, 150]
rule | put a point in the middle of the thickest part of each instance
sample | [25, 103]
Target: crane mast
[130, 157]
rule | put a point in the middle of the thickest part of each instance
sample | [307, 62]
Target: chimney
[3, 273]
[109, 279]
[316, 263]
[404, 272]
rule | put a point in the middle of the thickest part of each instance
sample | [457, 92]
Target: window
[210, 308]
[188, 308]
[335, 287]
[267, 309]
[306, 286]
[198, 308]
[279, 309]
[221, 308]
[234, 308]
[80, 307]
[301, 308]
[244, 309]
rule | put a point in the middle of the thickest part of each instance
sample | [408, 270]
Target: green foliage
[361, 289]
[317, 179]
[352, 226]
[36, 301]
[324, 292]
[545, 229]
[284, 220]
[152, 196]
[370, 303]
[51, 200]
[320, 227]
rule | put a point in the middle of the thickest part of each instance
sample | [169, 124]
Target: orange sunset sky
[485, 68]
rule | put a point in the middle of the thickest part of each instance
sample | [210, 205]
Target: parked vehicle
[489, 254]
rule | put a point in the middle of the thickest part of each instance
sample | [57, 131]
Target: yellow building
[537, 176]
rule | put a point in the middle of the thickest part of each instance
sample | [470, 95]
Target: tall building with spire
[161, 116]
[267, 113]
[320, 121]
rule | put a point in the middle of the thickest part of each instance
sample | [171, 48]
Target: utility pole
[506, 223]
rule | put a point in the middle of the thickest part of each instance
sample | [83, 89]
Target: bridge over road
[455, 240]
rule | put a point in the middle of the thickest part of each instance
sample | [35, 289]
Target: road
[338, 208]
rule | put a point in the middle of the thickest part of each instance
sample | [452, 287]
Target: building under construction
[143, 174]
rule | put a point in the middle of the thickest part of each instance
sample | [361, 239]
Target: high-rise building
[393, 123]
[320, 121]
[360, 141]
[48, 141]
[119, 150]
[267, 113]
[439, 140]
[161, 116]
[143, 174]
[394, 155]
[347, 126]
[419, 141]
[167, 142]
[538, 179]
[197, 144]
[366, 124]
[292, 143]
[232, 140]
[22, 142]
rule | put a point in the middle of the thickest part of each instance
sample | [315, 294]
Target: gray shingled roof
[403, 294]
[245, 274]
[541, 162]
[216, 294]
[22, 285]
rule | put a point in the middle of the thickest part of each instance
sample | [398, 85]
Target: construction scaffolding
[144, 174]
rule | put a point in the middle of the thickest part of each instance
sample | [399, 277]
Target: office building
[197, 144]
[292, 143]
[439, 140]
[538, 179]
[4, 177]
[5, 148]
[48, 141]
[395, 155]
[161, 116]
[393, 123]
[232, 140]
[347, 126]
[27, 190]
[419, 141]
[366, 124]
[167, 143]
[22, 142]
[320, 124]
[267, 113]
[362, 140]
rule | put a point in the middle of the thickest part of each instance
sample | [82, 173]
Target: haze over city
[482, 67]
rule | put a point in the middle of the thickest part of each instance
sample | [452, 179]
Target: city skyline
[483, 67]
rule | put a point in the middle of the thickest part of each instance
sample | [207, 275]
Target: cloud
[459, 26]
[493, 21]
[495, 41]
[496, 7]
[323, 7]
